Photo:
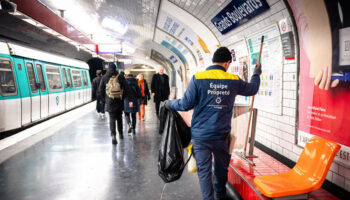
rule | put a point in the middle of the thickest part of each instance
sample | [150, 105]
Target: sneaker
[98, 115]
[130, 129]
[143, 119]
[114, 140]
[102, 115]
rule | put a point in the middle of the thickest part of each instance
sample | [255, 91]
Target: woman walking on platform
[145, 96]
[130, 102]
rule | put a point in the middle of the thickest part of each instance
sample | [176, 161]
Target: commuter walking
[132, 94]
[111, 89]
[100, 105]
[145, 96]
[212, 93]
[160, 88]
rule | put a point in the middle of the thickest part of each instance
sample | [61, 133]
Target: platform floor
[78, 161]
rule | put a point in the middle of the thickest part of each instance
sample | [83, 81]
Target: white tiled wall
[278, 132]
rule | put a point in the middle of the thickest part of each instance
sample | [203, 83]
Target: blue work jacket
[212, 95]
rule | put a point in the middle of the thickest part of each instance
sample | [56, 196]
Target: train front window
[39, 69]
[31, 76]
[7, 79]
[77, 78]
[54, 78]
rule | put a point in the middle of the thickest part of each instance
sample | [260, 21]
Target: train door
[78, 97]
[85, 85]
[22, 81]
[89, 85]
[56, 92]
[44, 97]
[67, 88]
[34, 90]
[71, 83]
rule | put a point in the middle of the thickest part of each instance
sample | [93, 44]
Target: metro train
[35, 85]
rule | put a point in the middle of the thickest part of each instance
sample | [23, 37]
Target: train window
[54, 77]
[85, 78]
[7, 79]
[66, 85]
[39, 69]
[19, 67]
[31, 76]
[70, 79]
[77, 78]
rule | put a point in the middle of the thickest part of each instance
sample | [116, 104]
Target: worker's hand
[131, 104]
[257, 70]
[153, 94]
[323, 79]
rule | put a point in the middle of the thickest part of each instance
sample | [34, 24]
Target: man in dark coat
[113, 106]
[160, 88]
[100, 105]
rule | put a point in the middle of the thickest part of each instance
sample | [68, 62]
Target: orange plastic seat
[307, 175]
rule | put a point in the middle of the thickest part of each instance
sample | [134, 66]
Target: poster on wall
[184, 54]
[324, 71]
[188, 38]
[269, 96]
[240, 67]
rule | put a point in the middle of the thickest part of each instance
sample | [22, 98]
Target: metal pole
[252, 136]
[252, 105]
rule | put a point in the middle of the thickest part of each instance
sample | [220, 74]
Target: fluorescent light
[30, 21]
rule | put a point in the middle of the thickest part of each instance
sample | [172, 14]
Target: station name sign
[238, 12]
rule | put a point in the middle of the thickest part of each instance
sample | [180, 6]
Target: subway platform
[71, 157]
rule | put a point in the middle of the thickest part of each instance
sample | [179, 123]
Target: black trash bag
[163, 112]
[183, 130]
[170, 158]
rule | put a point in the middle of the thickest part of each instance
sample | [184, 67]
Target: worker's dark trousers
[203, 151]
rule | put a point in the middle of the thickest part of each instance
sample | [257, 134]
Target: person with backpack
[100, 106]
[145, 96]
[111, 89]
[132, 94]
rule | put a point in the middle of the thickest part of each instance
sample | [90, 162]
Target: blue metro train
[35, 85]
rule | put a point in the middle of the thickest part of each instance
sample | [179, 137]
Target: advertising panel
[240, 66]
[324, 68]
[187, 37]
[269, 96]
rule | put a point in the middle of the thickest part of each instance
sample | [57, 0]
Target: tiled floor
[79, 162]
